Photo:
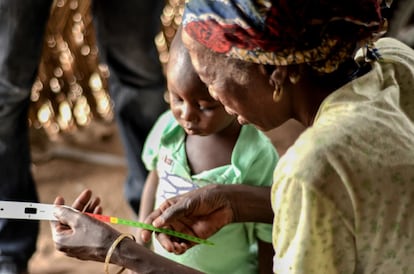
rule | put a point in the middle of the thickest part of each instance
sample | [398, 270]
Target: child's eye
[177, 99]
[203, 108]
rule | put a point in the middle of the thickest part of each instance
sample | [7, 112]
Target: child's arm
[265, 255]
[147, 199]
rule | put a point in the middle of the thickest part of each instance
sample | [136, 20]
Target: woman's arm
[206, 210]
[81, 236]
[201, 213]
[142, 260]
[250, 203]
[265, 257]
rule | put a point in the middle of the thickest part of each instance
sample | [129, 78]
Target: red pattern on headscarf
[280, 27]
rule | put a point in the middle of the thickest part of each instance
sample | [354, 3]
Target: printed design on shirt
[171, 185]
[168, 161]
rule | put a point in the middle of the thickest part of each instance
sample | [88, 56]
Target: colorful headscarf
[322, 33]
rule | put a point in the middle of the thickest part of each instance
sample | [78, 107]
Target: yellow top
[343, 194]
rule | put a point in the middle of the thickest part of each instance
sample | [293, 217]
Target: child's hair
[180, 62]
[178, 53]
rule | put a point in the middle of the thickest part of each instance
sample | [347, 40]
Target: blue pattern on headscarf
[226, 10]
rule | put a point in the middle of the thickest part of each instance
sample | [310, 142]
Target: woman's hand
[200, 213]
[79, 235]
[204, 211]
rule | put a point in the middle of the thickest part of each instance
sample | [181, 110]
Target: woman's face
[243, 88]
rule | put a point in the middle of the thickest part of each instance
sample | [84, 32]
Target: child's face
[193, 107]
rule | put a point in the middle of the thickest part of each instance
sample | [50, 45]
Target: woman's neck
[307, 98]
[314, 88]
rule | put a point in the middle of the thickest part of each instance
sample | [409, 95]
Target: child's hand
[84, 203]
[140, 241]
[79, 235]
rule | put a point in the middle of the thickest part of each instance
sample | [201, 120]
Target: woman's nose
[213, 92]
[229, 111]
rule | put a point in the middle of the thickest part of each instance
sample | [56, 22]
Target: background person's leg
[22, 25]
[125, 33]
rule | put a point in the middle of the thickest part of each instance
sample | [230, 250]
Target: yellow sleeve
[309, 234]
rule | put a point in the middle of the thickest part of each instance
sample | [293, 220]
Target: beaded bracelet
[112, 249]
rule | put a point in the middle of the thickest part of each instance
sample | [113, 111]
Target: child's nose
[188, 113]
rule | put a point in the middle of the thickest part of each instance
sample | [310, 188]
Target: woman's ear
[277, 80]
[278, 76]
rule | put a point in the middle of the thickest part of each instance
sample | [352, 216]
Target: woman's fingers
[146, 234]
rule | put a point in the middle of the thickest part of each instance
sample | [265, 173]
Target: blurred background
[75, 144]
[74, 140]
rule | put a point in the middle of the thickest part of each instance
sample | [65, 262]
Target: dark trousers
[125, 34]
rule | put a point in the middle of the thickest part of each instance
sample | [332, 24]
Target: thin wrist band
[112, 249]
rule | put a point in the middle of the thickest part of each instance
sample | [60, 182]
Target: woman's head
[190, 102]
[320, 33]
[242, 87]
[233, 43]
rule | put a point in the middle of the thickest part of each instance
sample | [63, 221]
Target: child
[197, 143]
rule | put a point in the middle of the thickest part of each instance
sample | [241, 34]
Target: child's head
[193, 107]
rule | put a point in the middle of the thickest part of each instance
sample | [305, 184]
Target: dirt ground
[91, 159]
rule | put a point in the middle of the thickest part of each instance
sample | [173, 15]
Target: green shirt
[343, 194]
[253, 161]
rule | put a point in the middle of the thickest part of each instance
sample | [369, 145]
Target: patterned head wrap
[321, 33]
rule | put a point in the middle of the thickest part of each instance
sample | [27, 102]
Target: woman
[343, 193]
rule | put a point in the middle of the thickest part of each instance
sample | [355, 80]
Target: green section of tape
[164, 230]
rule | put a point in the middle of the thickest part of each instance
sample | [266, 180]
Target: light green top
[253, 161]
[343, 194]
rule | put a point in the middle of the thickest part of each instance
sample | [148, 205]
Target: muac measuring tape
[38, 211]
